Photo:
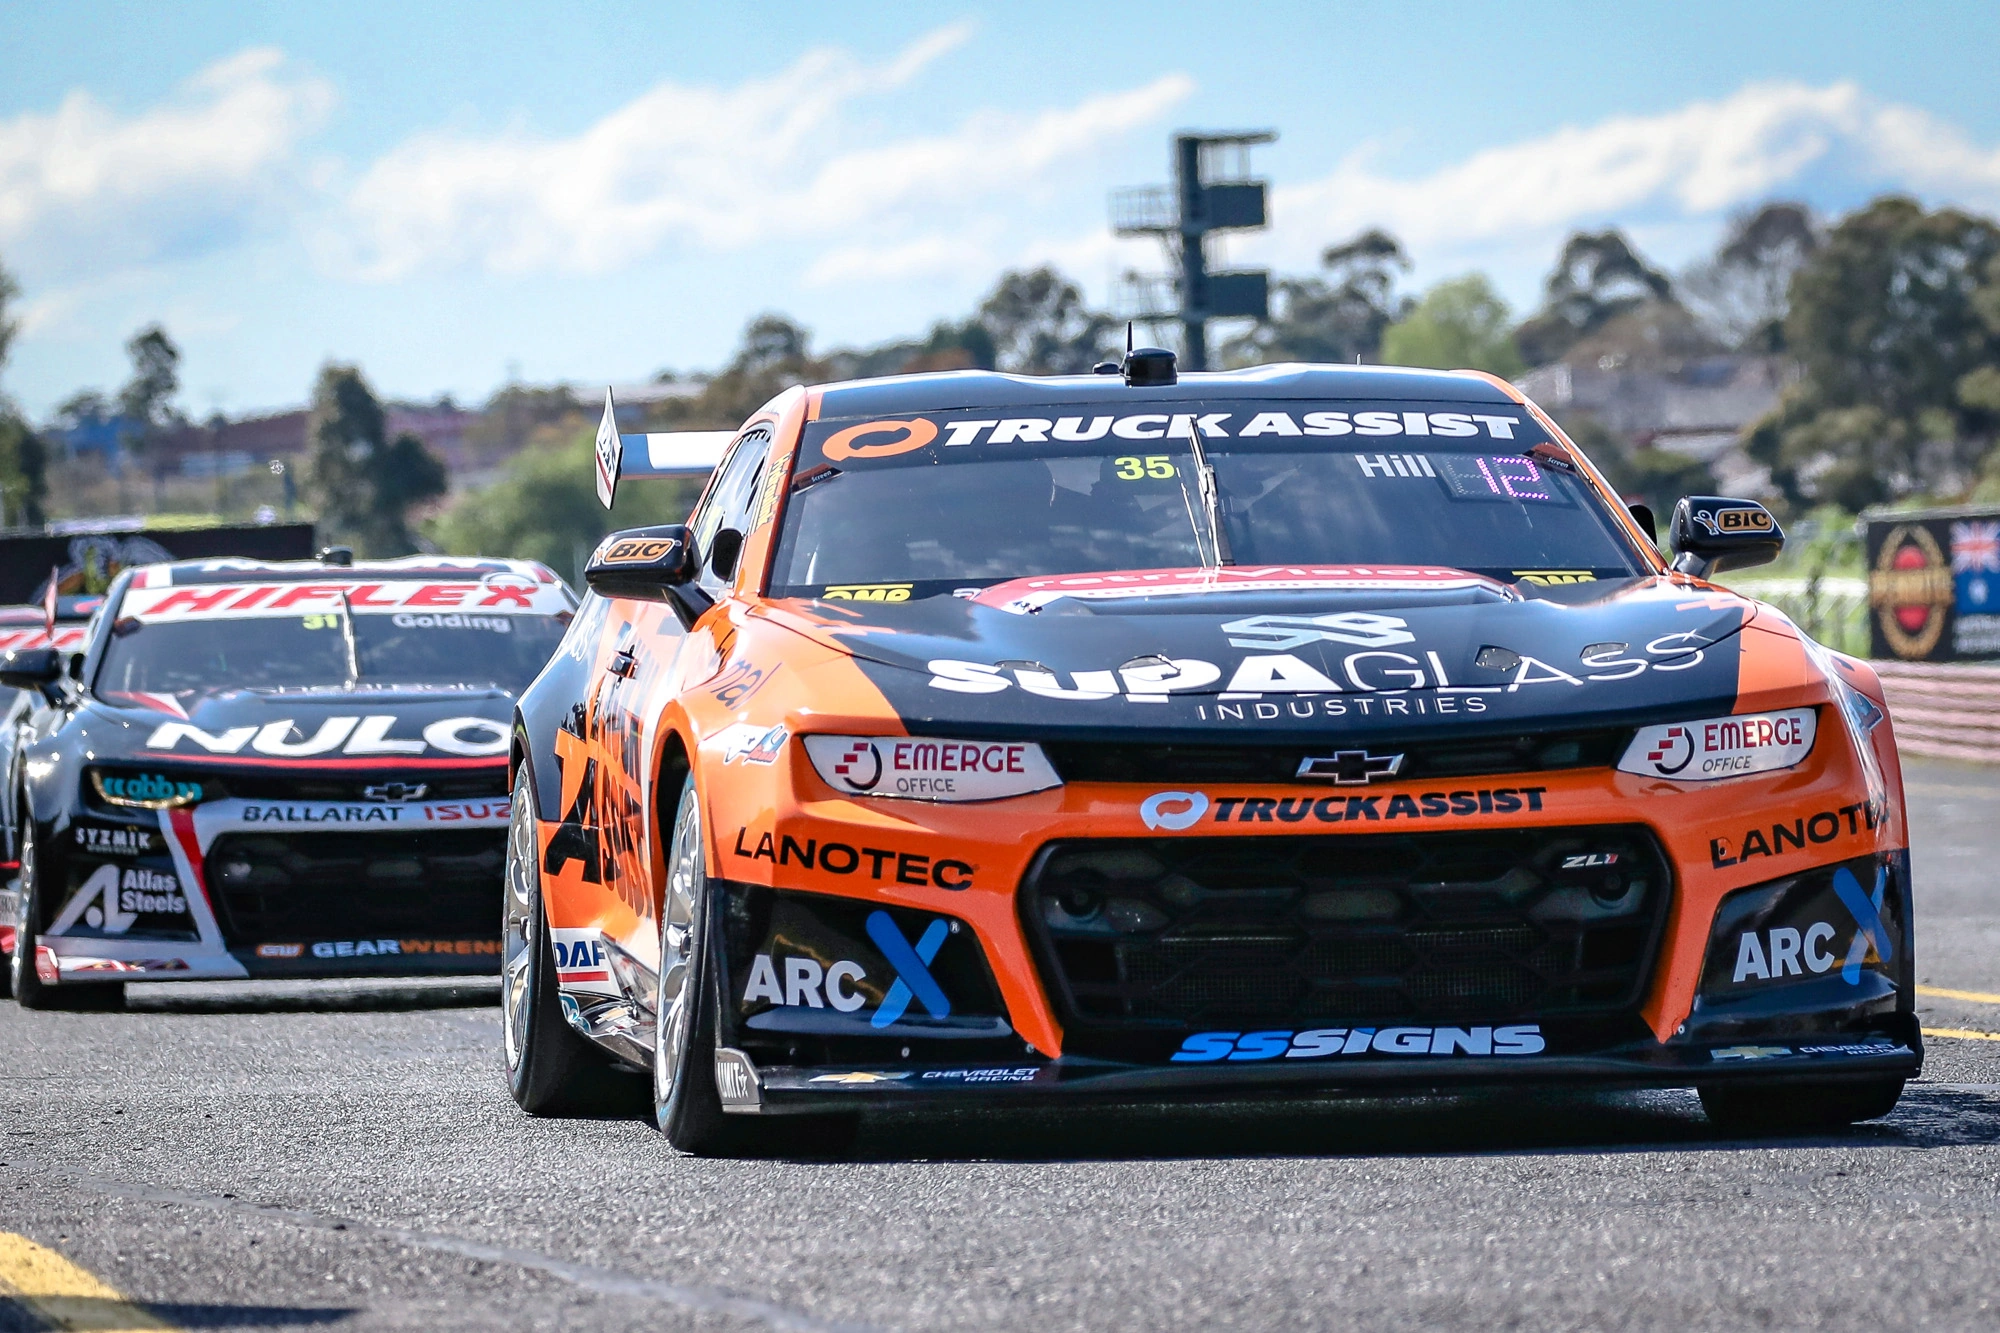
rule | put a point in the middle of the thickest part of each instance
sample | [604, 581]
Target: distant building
[1655, 380]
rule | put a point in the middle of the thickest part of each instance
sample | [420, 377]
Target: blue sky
[451, 195]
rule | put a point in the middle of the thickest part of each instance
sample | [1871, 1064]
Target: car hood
[1301, 651]
[375, 726]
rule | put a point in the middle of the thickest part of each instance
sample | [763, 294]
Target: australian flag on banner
[1975, 566]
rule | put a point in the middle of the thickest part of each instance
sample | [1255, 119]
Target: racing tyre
[30, 991]
[1797, 1108]
[686, 1104]
[552, 1069]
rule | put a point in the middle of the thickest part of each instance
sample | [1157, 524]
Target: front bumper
[1895, 1052]
[237, 888]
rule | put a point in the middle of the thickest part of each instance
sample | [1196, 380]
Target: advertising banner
[87, 562]
[1934, 585]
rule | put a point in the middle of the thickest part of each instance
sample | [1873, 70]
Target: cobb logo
[1173, 810]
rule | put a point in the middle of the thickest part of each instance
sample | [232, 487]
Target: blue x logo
[913, 974]
[1867, 914]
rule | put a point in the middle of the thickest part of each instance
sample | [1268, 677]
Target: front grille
[448, 785]
[1463, 927]
[1198, 765]
[311, 886]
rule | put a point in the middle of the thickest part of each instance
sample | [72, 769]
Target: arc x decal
[1867, 912]
[913, 976]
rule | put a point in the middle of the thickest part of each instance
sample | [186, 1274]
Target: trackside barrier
[1945, 710]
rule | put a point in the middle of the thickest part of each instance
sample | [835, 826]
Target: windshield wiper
[1211, 497]
[347, 636]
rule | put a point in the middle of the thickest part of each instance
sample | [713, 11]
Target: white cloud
[725, 169]
[84, 189]
[1696, 163]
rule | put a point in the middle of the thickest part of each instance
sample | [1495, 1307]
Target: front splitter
[781, 1089]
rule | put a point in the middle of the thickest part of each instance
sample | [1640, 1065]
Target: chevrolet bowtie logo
[395, 791]
[1351, 768]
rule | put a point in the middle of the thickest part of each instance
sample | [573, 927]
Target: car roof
[434, 567]
[974, 389]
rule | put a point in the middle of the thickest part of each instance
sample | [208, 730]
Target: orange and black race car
[1135, 735]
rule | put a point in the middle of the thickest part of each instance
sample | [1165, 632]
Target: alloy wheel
[518, 939]
[675, 1018]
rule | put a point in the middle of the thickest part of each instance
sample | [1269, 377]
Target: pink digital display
[1494, 477]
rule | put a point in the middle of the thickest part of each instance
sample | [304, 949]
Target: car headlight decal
[930, 768]
[1722, 747]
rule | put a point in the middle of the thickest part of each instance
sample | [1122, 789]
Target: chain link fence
[1832, 609]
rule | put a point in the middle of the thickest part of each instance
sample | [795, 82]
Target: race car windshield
[310, 651]
[932, 501]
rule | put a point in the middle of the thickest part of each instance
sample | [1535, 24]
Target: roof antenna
[1128, 338]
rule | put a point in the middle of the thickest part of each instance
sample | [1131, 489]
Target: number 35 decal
[1158, 466]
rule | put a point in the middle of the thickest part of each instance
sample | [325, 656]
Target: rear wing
[674, 453]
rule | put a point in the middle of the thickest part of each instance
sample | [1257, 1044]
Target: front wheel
[30, 991]
[686, 1104]
[552, 1069]
[1798, 1108]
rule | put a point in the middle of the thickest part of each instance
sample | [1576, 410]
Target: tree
[513, 414]
[1646, 474]
[24, 487]
[363, 484]
[545, 508]
[775, 354]
[1597, 278]
[1461, 323]
[1039, 325]
[146, 401]
[1896, 325]
[9, 290]
[1339, 318]
[1743, 292]
[23, 457]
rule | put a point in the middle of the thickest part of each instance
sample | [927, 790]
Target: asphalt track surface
[347, 1157]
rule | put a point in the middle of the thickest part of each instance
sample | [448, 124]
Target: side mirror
[1712, 533]
[650, 565]
[36, 669]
